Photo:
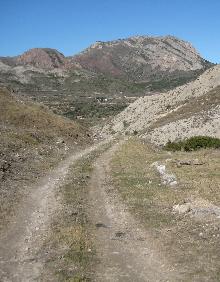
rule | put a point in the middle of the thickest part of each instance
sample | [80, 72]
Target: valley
[109, 163]
[132, 67]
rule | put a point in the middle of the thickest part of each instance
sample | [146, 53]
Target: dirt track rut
[124, 249]
[20, 244]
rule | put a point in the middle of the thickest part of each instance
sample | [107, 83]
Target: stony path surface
[124, 249]
[20, 244]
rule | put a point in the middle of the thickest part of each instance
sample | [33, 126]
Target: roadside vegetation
[189, 240]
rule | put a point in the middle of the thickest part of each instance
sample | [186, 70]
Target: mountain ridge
[113, 70]
[141, 46]
[148, 54]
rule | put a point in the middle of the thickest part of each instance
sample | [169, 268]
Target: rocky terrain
[116, 72]
[77, 207]
[138, 58]
[44, 58]
[191, 109]
[142, 58]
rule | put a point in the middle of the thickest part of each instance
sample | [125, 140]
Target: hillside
[45, 58]
[191, 109]
[119, 71]
[142, 58]
[32, 140]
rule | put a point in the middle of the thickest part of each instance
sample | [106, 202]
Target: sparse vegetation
[70, 231]
[32, 140]
[195, 105]
[125, 123]
[93, 109]
[192, 245]
[167, 83]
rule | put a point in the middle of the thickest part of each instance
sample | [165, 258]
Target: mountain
[141, 58]
[188, 110]
[138, 57]
[45, 58]
[116, 72]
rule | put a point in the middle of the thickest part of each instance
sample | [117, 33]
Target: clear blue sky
[72, 25]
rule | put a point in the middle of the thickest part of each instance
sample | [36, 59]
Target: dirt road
[20, 244]
[124, 250]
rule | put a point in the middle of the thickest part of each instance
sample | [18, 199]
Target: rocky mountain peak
[141, 57]
[45, 58]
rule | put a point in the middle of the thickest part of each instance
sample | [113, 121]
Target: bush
[173, 146]
[193, 144]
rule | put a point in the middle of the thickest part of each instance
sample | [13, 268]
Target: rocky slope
[44, 58]
[191, 109]
[141, 58]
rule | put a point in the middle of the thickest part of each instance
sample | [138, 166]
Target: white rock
[184, 208]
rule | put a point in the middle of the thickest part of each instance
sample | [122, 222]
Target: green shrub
[173, 146]
[193, 144]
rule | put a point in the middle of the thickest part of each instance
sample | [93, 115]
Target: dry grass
[32, 140]
[69, 246]
[199, 181]
[190, 244]
[35, 117]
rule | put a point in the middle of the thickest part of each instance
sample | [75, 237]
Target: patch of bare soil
[124, 250]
